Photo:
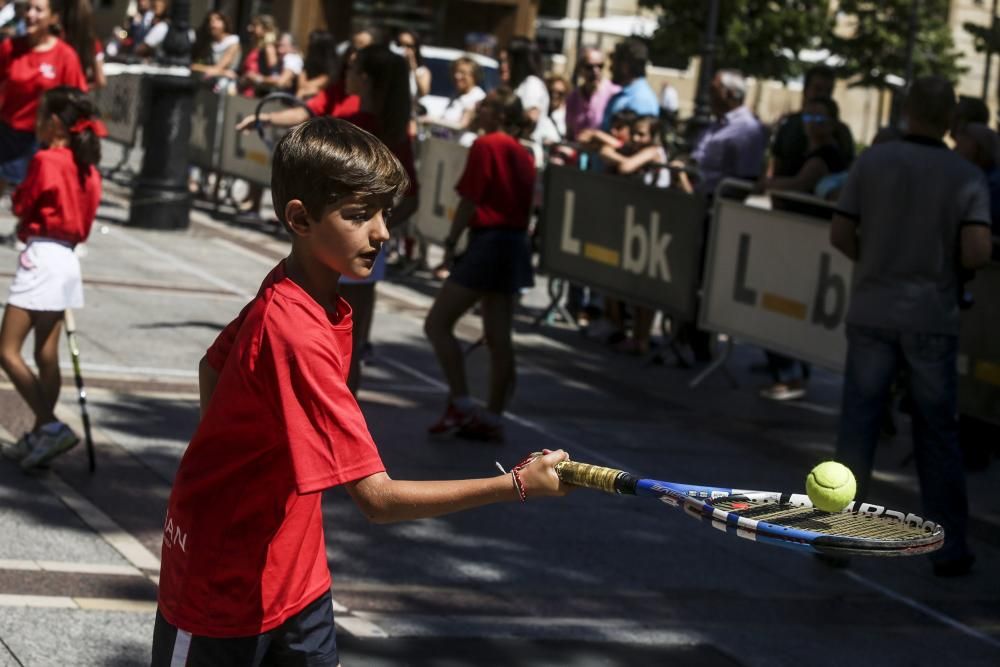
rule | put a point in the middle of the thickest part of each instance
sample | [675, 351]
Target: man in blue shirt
[628, 70]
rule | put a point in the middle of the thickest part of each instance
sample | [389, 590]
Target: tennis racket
[771, 517]
[270, 134]
[74, 351]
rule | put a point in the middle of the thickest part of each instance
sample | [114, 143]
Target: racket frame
[700, 502]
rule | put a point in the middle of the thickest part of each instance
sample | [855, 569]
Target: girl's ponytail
[79, 115]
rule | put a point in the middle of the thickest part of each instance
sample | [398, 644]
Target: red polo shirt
[52, 202]
[29, 73]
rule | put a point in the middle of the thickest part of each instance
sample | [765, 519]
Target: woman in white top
[466, 76]
[558, 90]
[521, 63]
[216, 50]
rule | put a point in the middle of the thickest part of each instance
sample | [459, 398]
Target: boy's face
[349, 235]
[642, 134]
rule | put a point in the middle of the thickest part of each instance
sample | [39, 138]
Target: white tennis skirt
[47, 278]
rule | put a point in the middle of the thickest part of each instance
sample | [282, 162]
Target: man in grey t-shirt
[911, 214]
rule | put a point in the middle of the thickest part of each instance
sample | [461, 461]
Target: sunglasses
[814, 118]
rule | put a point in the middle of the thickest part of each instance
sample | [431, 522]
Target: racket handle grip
[608, 480]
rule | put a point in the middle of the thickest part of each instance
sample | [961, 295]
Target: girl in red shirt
[55, 205]
[29, 66]
[496, 192]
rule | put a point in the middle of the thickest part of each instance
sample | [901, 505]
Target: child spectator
[55, 205]
[496, 191]
[643, 156]
[29, 66]
[246, 574]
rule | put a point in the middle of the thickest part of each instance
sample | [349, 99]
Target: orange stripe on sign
[783, 306]
[987, 371]
[601, 254]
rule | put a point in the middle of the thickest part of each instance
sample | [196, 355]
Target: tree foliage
[877, 47]
[760, 37]
[764, 38]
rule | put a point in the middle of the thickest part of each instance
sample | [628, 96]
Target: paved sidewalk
[587, 580]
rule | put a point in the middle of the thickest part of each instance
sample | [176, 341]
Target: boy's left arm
[385, 500]
[208, 378]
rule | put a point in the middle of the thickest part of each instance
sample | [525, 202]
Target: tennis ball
[831, 486]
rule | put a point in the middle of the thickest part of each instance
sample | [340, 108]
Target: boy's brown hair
[325, 159]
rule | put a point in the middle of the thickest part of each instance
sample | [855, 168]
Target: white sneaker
[49, 445]
[16, 451]
[780, 391]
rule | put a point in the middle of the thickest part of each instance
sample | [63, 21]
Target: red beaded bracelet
[515, 474]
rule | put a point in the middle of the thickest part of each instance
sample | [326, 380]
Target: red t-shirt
[29, 73]
[334, 101]
[243, 546]
[499, 178]
[52, 203]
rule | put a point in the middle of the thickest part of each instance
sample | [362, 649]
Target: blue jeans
[874, 357]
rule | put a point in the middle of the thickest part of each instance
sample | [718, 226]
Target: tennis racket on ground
[270, 134]
[74, 351]
[771, 517]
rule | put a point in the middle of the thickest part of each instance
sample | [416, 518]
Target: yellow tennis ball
[831, 486]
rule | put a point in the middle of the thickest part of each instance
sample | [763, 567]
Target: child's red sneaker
[450, 421]
[480, 430]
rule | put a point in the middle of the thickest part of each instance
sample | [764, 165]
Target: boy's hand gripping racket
[74, 351]
[772, 517]
[270, 134]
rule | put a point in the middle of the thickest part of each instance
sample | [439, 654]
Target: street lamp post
[702, 109]
[160, 198]
[989, 51]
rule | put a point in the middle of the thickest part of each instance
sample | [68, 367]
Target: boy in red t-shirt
[496, 189]
[244, 575]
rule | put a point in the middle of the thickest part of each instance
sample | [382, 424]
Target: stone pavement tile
[74, 637]
[36, 525]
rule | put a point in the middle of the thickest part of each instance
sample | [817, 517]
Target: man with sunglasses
[585, 105]
[791, 145]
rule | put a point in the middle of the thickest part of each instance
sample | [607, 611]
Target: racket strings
[808, 518]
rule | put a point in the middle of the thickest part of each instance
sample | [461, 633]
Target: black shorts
[305, 640]
[496, 260]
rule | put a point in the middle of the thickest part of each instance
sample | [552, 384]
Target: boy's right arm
[385, 500]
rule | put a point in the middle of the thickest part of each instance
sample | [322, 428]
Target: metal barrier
[773, 279]
[214, 143]
[441, 165]
[623, 238]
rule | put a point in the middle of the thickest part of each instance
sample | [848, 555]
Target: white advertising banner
[441, 165]
[244, 154]
[773, 279]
